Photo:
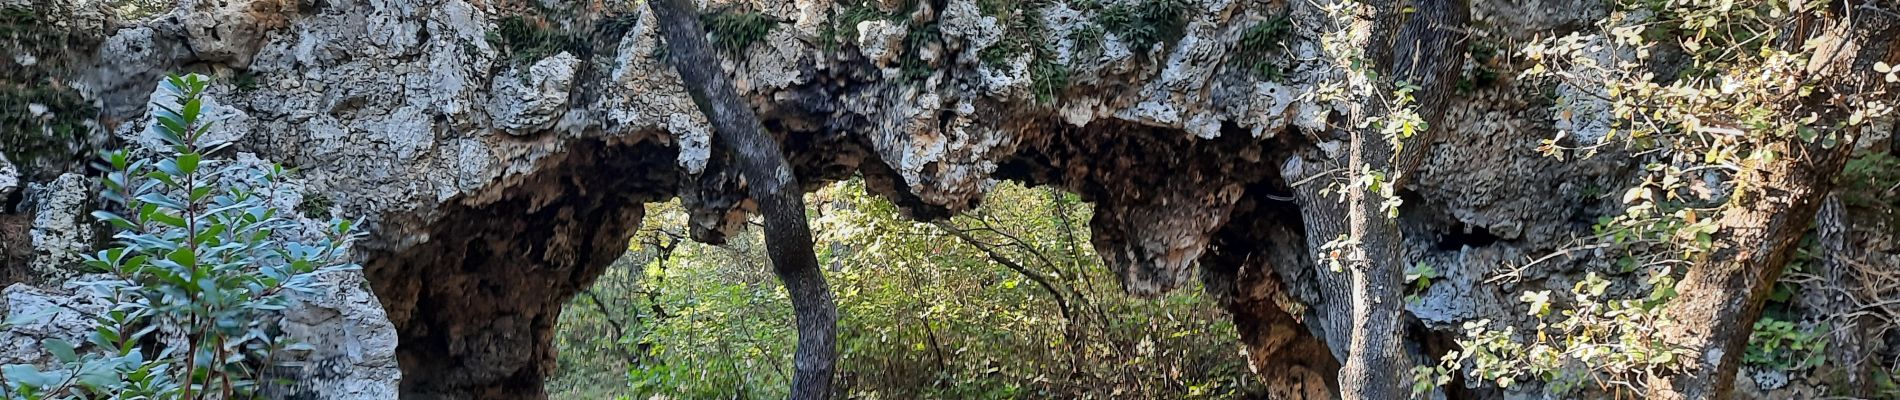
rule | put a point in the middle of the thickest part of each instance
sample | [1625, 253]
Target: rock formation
[501, 153]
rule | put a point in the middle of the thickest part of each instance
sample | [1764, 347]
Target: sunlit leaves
[923, 314]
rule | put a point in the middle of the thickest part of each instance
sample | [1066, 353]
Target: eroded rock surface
[500, 170]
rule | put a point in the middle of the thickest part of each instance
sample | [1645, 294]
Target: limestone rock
[231, 31]
[352, 344]
[9, 177]
[61, 228]
[494, 191]
[881, 41]
[46, 314]
[531, 100]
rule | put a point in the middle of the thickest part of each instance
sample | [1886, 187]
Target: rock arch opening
[475, 299]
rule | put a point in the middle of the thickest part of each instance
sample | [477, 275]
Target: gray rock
[531, 100]
[231, 31]
[9, 177]
[63, 315]
[881, 41]
[61, 228]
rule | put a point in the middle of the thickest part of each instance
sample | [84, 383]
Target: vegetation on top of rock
[524, 38]
[1025, 33]
[1482, 72]
[914, 69]
[843, 27]
[42, 119]
[1258, 45]
[1143, 23]
[734, 32]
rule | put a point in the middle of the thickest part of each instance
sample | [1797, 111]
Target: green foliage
[1482, 74]
[244, 81]
[1144, 23]
[1259, 43]
[1048, 80]
[1421, 276]
[1024, 33]
[924, 314]
[527, 38]
[203, 257]
[1088, 40]
[844, 27]
[315, 205]
[1869, 182]
[914, 68]
[734, 32]
[1596, 343]
[524, 39]
[1783, 346]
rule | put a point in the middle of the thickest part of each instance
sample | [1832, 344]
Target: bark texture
[1418, 44]
[1721, 295]
[769, 181]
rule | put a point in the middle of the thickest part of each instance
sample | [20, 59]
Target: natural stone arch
[464, 194]
[476, 298]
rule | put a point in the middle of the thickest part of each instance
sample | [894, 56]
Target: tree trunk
[1837, 295]
[769, 181]
[1722, 294]
[1420, 45]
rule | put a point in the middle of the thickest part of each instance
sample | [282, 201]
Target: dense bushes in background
[1008, 301]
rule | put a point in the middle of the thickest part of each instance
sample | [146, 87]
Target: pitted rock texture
[497, 180]
[60, 232]
[9, 177]
[65, 313]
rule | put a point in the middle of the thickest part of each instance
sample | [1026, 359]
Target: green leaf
[99, 377]
[166, 218]
[193, 106]
[188, 163]
[185, 257]
[117, 221]
[29, 376]
[60, 349]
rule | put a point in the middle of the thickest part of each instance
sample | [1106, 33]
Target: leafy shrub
[1784, 346]
[204, 259]
[1612, 343]
[923, 314]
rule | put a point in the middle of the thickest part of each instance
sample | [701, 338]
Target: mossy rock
[44, 123]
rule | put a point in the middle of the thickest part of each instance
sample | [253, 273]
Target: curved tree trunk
[769, 181]
[1722, 294]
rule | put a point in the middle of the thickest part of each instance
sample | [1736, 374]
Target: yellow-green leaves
[1539, 302]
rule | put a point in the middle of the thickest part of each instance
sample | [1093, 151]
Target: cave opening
[1459, 235]
[475, 299]
[1153, 186]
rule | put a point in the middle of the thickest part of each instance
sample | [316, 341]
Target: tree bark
[1420, 45]
[1837, 295]
[1721, 296]
[769, 181]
